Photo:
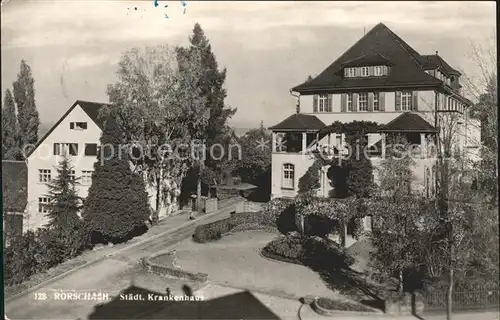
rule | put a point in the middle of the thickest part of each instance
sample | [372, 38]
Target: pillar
[383, 145]
[274, 141]
[304, 142]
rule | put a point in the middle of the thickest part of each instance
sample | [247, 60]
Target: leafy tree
[24, 96]
[160, 111]
[255, 155]
[10, 129]
[117, 204]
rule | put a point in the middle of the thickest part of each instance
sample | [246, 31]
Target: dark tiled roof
[14, 185]
[408, 122]
[367, 60]
[299, 121]
[90, 108]
[433, 61]
[407, 64]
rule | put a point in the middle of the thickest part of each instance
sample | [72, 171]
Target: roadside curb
[64, 274]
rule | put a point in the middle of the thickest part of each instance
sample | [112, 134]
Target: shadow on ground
[242, 305]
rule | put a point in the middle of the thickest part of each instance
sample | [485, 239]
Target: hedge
[215, 230]
[309, 251]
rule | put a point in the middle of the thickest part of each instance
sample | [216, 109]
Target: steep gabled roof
[90, 108]
[299, 121]
[407, 64]
[408, 122]
[435, 61]
[14, 185]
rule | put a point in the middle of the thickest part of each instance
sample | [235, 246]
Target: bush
[35, 252]
[216, 230]
[309, 251]
[281, 213]
[117, 205]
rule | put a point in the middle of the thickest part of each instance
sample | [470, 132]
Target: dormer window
[377, 70]
[351, 72]
[364, 71]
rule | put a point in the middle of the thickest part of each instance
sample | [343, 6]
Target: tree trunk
[450, 295]
[344, 236]
[156, 214]
[198, 193]
[400, 286]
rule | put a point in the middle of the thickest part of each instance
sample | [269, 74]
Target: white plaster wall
[425, 109]
[301, 163]
[43, 158]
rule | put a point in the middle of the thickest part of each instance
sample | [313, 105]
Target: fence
[476, 298]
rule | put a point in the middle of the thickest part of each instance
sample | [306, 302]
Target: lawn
[235, 260]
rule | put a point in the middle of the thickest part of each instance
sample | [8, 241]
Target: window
[377, 70]
[86, 177]
[349, 102]
[351, 72]
[364, 72]
[376, 102]
[43, 205]
[66, 148]
[78, 125]
[288, 176]
[72, 174]
[363, 101]
[90, 149]
[44, 175]
[406, 101]
[322, 102]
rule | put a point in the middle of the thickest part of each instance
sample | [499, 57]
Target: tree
[211, 85]
[27, 113]
[64, 199]
[10, 129]
[68, 235]
[310, 180]
[161, 111]
[255, 155]
[117, 203]
[397, 214]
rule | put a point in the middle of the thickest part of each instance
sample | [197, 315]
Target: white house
[76, 134]
[380, 79]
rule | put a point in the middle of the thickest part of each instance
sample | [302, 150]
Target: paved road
[111, 275]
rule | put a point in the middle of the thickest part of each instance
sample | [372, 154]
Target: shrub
[215, 230]
[309, 251]
[310, 180]
[281, 213]
[117, 204]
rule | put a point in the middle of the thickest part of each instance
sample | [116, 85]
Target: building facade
[76, 135]
[380, 79]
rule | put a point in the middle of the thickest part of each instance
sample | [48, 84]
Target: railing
[474, 299]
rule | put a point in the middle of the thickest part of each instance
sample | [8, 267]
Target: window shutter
[397, 102]
[370, 101]
[414, 104]
[371, 71]
[385, 70]
[355, 99]
[56, 149]
[381, 101]
[343, 102]
[330, 103]
[346, 72]
[315, 103]
[72, 125]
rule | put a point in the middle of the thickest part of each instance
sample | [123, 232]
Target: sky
[267, 47]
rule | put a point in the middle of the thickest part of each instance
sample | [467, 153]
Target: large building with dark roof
[381, 79]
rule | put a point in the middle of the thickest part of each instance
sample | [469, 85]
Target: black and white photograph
[305, 160]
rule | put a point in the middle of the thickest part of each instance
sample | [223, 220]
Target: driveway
[235, 261]
[110, 275]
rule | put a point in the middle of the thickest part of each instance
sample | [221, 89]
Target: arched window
[288, 176]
